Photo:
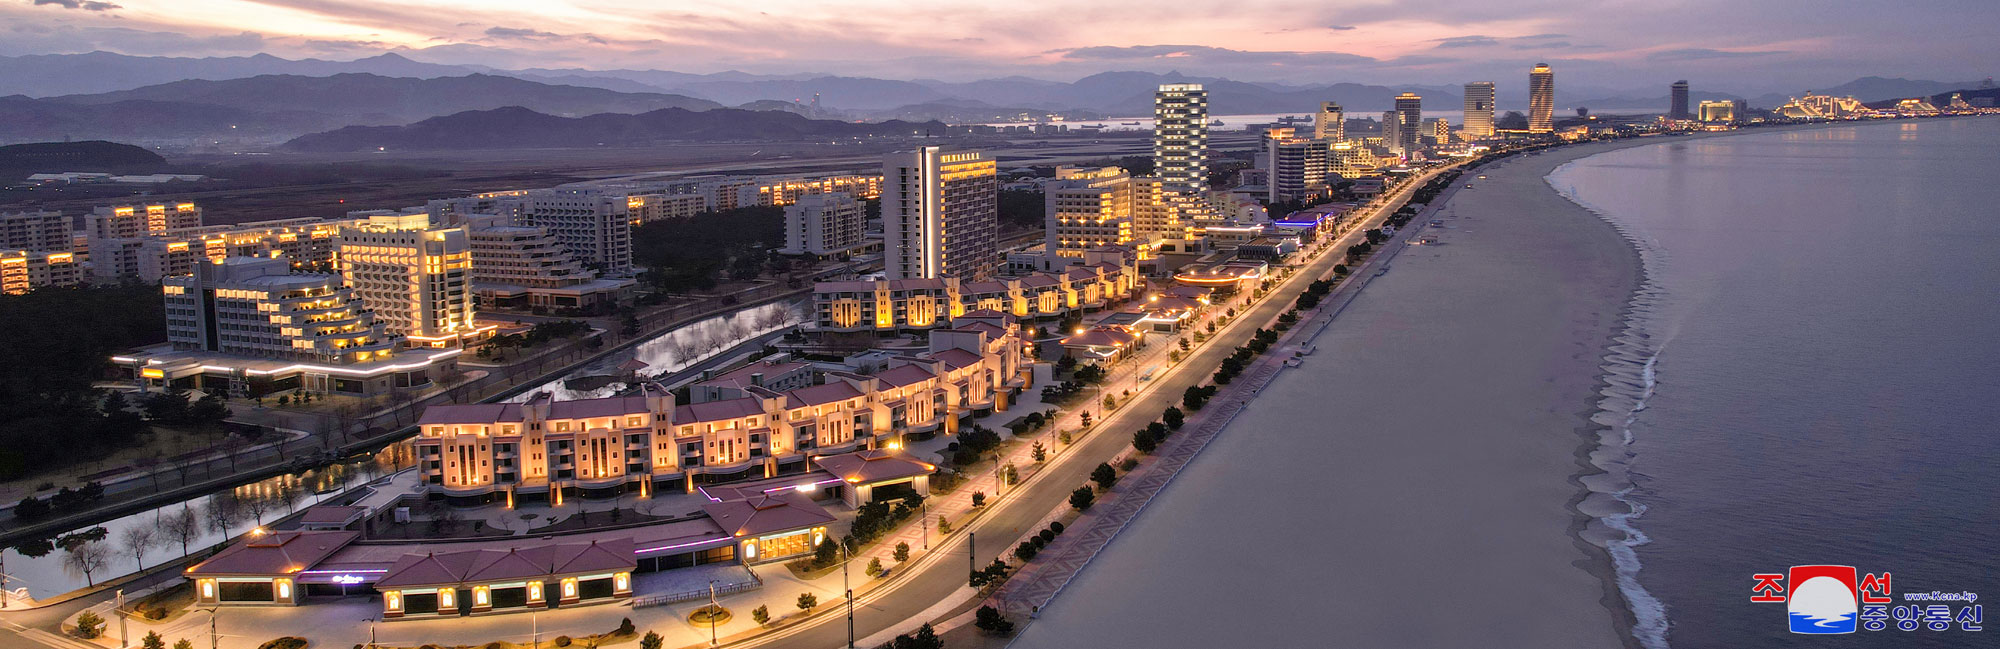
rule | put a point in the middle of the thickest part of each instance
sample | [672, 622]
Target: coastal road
[942, 573]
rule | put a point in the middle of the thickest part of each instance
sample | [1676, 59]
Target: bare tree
[258, 506]
[183, 525]
[86, 557]
[223, 510]
[293, 493]
[137, 540]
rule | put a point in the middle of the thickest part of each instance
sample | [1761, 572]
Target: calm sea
[1826, 336]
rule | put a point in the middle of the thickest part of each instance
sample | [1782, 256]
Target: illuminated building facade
[1718, 111]
[1086, 208]
[786, 191]
[1180, 137]
[823, 224]
[253, 306]
[1409, 123]
[1330, 123]
[919, 304]
[39, 230]
[1298, 166]
[1440, 131]
[139, 220]
[1392, 132]
[1478, 110]
[306, 243]
[1677, 106]
[26, 270]
[940, 214]
[416, 277]
[1541, 99]
[653, 207]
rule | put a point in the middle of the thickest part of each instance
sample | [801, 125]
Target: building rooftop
[767, 513]
[274, 553]
[873, 466]
[902, 375]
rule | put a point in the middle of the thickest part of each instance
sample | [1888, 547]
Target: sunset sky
[1725, 44]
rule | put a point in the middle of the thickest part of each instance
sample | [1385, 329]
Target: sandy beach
[1414, 483]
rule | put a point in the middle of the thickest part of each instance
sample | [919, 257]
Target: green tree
[944, 526]
[1082, 498]
[990, 620]
[183, 643]
[762, 614]
[153, 641]
[807, 601]
[874, 566]
[902, 552]
[1040, 454]
[89, 625]
[1104, 475]
[826, 554]
[1143, 441]
[1173, 417]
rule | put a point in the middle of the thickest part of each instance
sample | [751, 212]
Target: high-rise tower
[1180, 137]
[1678, 110]
[1330, 123]
[940, 214]
[1479, 109]
[1410, 117]
[1541, 99]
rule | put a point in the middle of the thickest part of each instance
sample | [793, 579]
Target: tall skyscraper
[1541, 99]
[1180, 137]
[1679, 108]
[1478, 109]
[416, 277]
[940, 214]
[1330, 123]
[1409, 130]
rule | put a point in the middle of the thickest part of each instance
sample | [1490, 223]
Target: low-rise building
[140, 219]
[823, 225]
[885, 306]
[523, 268]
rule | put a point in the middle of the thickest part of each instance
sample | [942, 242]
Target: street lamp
[850, 595]
[712, 609]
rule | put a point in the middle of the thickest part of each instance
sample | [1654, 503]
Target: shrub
[1082, 498]
[1047, 535]
[762, 614]
[563, 641]
[625, 627]
[874, 566]
[651, 641]
[902, 552]
[1025, 552]
[287, 642]
[990, 620]
[89, 625]
[1173, 417]
[1128, 465]
[153, 641]
[978, 499]
[1056, 526]
[1143, 441]
[1104, 475]
[807, 601]
[944, 526]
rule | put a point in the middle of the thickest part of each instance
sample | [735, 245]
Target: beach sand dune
[1412, 484]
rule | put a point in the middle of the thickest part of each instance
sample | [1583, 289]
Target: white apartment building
[594, 224]
[138, 220]
[823, 224]
[940, 214]
[39, 230]
[306, 243]
[1330, 123]
[26, 270]
[415, 276]
[1180, 137]
[654, 206]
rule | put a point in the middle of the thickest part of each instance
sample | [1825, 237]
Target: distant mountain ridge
[519, 128]
[394, 100]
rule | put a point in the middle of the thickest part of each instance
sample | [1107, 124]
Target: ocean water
[1817, 346]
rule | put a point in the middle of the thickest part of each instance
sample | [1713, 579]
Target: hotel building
[1541, 99]
[823, 224]
[940, 214]
[1330, 123]
[1718, 112]
[1409, 123]
[26, 270]
[1297, 166]
[415, 277]
[1086, 208]
[654, 207]
[248, 326]
[1392, 132]
[522, 268]
[1478, 110]
[1677, 106]
[137, 220]
[1180, 137]
[40, 230]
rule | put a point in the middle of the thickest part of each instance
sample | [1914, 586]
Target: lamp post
[924, 520]
[711, 612]
[850, 595]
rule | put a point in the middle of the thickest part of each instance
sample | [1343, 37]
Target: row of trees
[58, 341]
[684, 255]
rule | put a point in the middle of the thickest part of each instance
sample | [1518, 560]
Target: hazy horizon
[1720, 46]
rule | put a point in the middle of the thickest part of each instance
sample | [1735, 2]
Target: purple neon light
[336, 572]
[681, 545]
[826, 481]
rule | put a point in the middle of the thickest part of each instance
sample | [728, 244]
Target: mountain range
[514, 127]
